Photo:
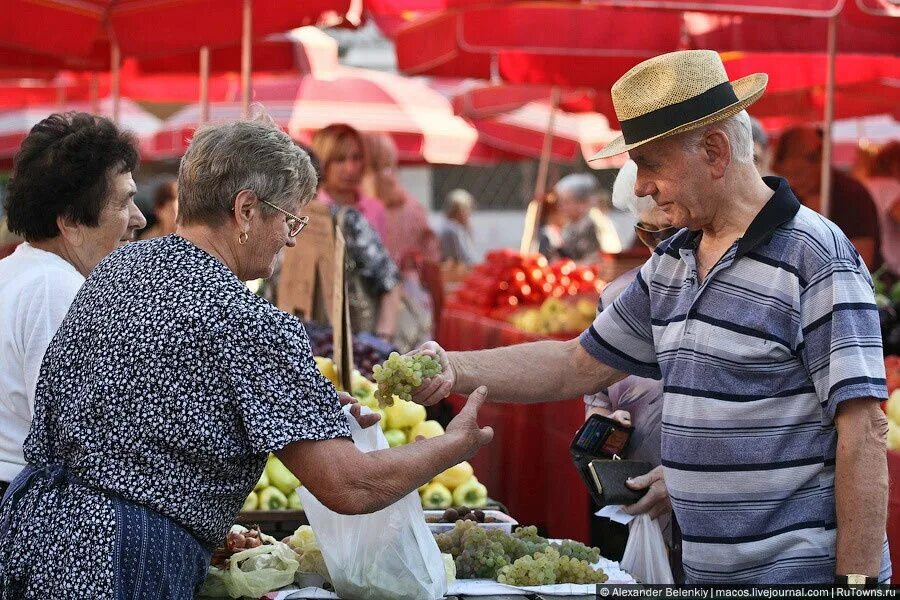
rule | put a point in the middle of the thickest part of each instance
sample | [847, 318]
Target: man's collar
[780, 209]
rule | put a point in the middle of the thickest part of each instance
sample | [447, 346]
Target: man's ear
[244, 207]
[717, 152]
[70, 231]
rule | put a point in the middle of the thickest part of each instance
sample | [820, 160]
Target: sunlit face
[119, 219]
[344, 171]
[676, 179]
[267, 238]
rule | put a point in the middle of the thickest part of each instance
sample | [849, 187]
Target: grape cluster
[578, 551]
[400, 375]
[536, 569]
[523, 558]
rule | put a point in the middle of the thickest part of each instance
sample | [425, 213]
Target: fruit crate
[503, 521]
[277, 523]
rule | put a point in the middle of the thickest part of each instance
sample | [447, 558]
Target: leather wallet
[606, 480]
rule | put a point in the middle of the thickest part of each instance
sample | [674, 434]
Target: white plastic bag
[388, 554]
[645, 555]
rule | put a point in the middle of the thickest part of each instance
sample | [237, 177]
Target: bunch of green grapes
[481, 557]
[530, 539]
[513, 547]
[451, 542]
[572, 570]
[400, 375]
[536, 569]
[578, 551]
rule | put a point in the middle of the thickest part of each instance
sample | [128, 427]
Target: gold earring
[242, 239]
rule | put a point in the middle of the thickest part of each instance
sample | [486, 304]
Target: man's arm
[535, 372]
[861, 486]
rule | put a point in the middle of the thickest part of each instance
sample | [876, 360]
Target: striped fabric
[755, 360]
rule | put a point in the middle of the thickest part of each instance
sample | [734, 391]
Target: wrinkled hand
[434, 389]
[656, 500]
[466, 422]
[356, 410]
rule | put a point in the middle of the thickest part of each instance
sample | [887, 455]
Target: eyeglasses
[295, 223]
[652, 236]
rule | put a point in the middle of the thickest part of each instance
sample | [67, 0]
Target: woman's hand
[622, 416]
[434, 389]
[356, 410]
[656, 500]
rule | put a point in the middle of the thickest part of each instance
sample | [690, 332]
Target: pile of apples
[509, 279]
[556, 317]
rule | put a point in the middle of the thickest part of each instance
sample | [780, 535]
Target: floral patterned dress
[159, 398]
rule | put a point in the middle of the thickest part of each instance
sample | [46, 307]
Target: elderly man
[759, 317]
[588, 228]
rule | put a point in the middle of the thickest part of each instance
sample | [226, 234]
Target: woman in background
[165, 209]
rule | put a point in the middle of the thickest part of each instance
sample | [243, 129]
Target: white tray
[504, 521]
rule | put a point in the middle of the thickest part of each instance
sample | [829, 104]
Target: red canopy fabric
[420, 120]
[573, 44]
[148, 27]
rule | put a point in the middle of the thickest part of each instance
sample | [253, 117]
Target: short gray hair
[458, 200]
[623, 196]
[582, 186]
[739, 132]
[225, 158]
[759, 133]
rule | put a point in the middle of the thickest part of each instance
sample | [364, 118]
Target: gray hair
[758, 133]
[738, 130]
[583, 187]
[254, 155]
[623, 196]
[457, 201]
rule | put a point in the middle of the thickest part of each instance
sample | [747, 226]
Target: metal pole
[246, 65]
[825, 188]
[204, 84]
[533, 216]
[115, 59]
[94, 94]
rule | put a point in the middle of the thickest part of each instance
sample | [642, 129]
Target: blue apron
[154, 558]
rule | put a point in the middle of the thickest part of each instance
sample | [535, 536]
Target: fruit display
[521, 558]
[368, 350]
[509, 279]
[464, 513]
[555, 317]
[399, 375]
[402, 422]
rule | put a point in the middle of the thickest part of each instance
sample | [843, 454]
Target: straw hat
[677, 92]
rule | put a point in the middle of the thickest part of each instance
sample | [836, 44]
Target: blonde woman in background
[457, 244]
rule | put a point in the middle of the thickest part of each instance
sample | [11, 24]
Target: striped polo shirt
[754, 360]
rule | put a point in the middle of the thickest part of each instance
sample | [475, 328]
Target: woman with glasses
[633, 401]
[168, 384]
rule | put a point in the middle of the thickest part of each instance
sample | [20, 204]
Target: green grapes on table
[578, 551]
[536, 569]
[531, 540]
[481, 557]
[572, 570]
[400, 375]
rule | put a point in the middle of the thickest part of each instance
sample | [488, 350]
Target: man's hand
[622, 416]
[656, 500]
[465, 424]
[434, 389]
[356, 410]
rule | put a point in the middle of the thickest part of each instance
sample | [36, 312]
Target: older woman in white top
[71, 196]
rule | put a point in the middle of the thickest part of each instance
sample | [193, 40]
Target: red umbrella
[15, 124]
[420, 120]
[149, 27]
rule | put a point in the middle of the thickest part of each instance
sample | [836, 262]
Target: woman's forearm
[387, 312]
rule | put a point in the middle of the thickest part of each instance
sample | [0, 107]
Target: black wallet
[606, 480]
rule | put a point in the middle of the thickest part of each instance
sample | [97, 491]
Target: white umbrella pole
[204, 84]
[246, 65]
[115, 60]
[533, 215]
[825, 188]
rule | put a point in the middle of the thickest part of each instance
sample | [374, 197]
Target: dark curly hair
[62, 169]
